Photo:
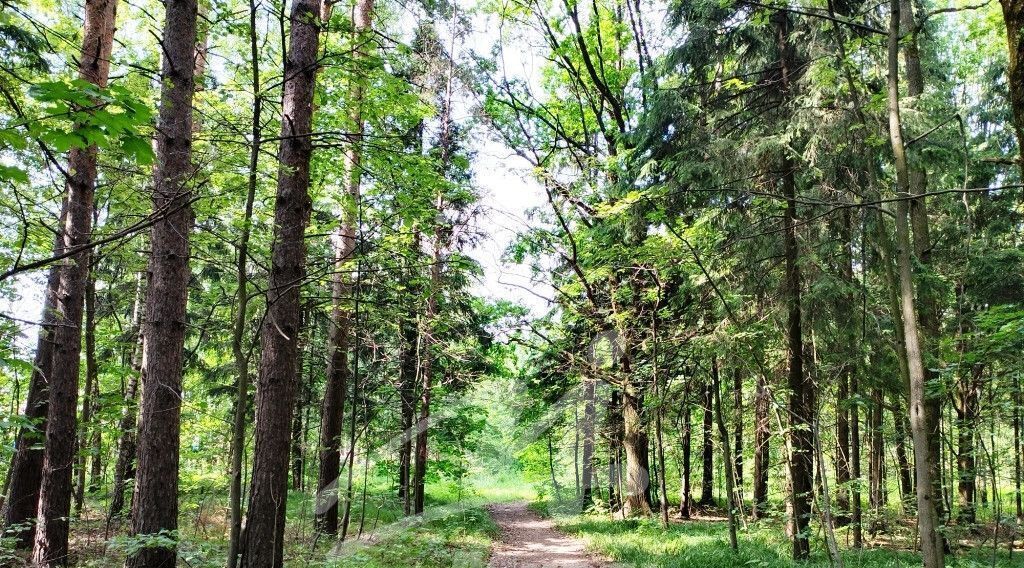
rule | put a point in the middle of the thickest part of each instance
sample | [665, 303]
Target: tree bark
[1017, 450]
[26, 471]
[857, 513]
[95, 445]
[50, 547]
[686, 433]
[238, 332]
[1013, 15]
[635, 442]
[802, 395]
[927, 302]
[737, 424]
[407, 392]
[124, 468]
[155, 504]
[88, 430]
[876, 459]
[707, 478]
[902, 461]
[843, 447]
[730, 500]
[928, 519]
[968, 412]
[275, 394]
[589, 416]
[613, 425]
[332, 413]
[426, 372]
[762, 432]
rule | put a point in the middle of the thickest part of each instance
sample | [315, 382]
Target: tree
[927, 515]
[155, 499]
[50, 547]
[263, 543]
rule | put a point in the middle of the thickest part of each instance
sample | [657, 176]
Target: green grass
[703, 544]
[461, 539]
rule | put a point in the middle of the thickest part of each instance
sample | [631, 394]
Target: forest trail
[529, 541]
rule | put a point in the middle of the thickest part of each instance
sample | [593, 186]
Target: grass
[705, 544]
[458, 540]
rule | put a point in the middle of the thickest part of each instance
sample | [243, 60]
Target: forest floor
[530, 541]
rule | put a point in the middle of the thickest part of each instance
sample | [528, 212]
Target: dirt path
[528, 541]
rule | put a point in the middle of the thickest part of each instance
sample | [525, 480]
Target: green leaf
[138, 148]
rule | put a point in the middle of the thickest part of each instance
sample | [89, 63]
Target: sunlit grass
[705, 544]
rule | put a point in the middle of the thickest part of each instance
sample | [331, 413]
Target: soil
[529, 541]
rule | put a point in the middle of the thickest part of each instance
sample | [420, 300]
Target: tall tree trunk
[737, 424]
[659, 395]
[95, 445]
[968, 412]
[928, 519]
[238, 332]
[802, 395]
[87, 430]
[352, 437]
[635, 443]
[686, 433]
[846, 373]
[762, 432]
[26, 471]
[613, 426]
[263, 543]
[707, 478]
[731, 502]
[876, 458]
[1017, 449]
[1013, 15]
[124, 468]
[426, 357]
[589, 416]
[407, 392]
[902, 461]
[332, 413]
[843, 447]
[857, 513]
[50, 547]
[927, 303]
[298, 451]
[155, 504]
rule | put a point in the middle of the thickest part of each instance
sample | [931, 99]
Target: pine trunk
[707, 478]
[686, 433]
[589, 417]
[26, 471]
[762, 433]
[50, 547]
[263, 542]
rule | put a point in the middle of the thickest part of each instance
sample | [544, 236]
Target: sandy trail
[529, 541]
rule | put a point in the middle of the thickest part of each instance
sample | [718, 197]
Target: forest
[511, 283]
